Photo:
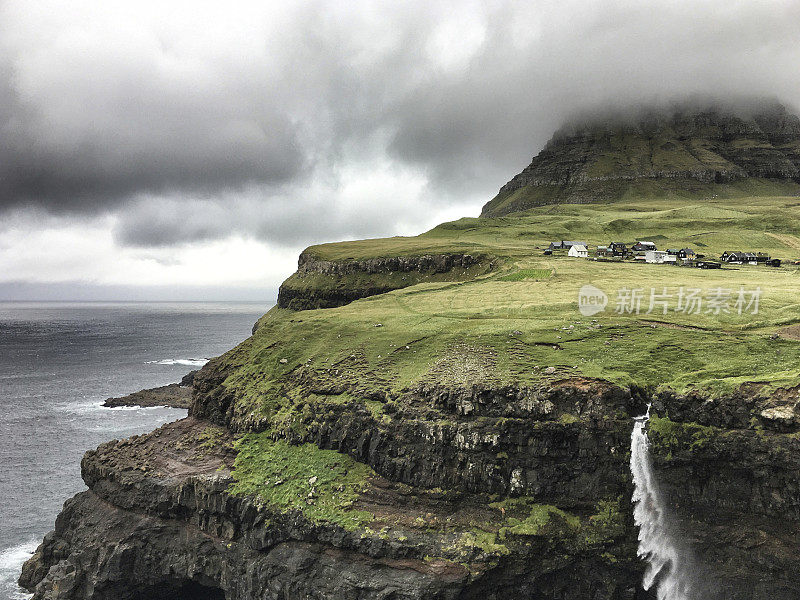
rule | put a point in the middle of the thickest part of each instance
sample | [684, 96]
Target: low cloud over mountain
[186, 123]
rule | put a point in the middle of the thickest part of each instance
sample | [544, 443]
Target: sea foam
[188, 362]
[11, 560]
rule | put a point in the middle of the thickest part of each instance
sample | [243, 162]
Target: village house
[741, 258]
[617, 249]
[578, 251]
[643, 246]
[565, 245]
[603, 251]
[682, 254]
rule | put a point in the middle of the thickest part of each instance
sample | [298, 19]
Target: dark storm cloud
[140, 109]
[89, 119]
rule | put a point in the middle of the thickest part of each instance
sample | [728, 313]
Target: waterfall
[666, 564]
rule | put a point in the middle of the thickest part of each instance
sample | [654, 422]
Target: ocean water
[58, 363]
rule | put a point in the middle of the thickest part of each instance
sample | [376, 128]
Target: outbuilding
[659, 256]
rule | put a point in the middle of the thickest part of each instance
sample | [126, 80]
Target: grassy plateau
[510, 325]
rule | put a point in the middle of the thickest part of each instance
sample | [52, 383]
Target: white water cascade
[665, 565]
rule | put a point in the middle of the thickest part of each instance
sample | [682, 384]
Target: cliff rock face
[681, 150]
[162, 518]
[327, 284]
[159, 521]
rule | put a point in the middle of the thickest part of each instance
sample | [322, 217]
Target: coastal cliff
[434, 418]
[329, 283]
[443, 505]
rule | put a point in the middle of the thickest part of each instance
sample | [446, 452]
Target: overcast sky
[191, 150]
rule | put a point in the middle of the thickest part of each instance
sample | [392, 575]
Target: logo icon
[591, 300]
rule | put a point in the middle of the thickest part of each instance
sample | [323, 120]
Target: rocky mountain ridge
[683, 150]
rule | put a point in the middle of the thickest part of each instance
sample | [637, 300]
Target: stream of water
[667, 567]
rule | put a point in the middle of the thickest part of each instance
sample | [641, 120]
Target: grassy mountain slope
[439, 373]
[684, 152]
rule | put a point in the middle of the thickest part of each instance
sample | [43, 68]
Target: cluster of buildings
[749, 258]
[648, 252]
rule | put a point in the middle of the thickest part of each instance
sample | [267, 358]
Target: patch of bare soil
[183, 448]
[790, 333]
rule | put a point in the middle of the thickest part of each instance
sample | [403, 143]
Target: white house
[659, 256]
[579, 251]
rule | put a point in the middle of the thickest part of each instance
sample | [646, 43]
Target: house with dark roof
[682, 253]
[617, 249]
[740, 258]
[566, 245]
[644, 246]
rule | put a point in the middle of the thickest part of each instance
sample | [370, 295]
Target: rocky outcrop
[684, 149]
[327, 284]
[159, 521]
[175, 395]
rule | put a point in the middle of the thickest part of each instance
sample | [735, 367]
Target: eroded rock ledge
[175, 395]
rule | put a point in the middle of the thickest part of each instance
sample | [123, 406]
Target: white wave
[131, 408]
[80, 407]
[11, 560]
[188, 362]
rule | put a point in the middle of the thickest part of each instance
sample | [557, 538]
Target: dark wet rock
[158, 521]
[175, 395]
[188, 379]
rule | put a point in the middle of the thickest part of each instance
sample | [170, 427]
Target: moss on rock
[321, 484]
